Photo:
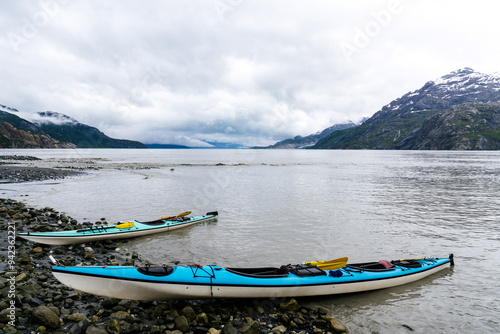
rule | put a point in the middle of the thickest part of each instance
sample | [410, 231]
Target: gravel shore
[33, 301]
[11, 172]
[16, 174]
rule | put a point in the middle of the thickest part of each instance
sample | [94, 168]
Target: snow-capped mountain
[461, 86]
[463, 97]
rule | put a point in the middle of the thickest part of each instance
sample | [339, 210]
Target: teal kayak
[212, 281]
[123, 230]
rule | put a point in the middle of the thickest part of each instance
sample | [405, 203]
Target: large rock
[8, 329]
[76, 317]
[181, 323]
[96, 330]
[119, 315]
[189, 313]
[113, 327]
[279, 329]
[251, 327]
[229, 329]
[79, 328]
[291, 306]
[336, 325]
[46, 317]
[214, 331]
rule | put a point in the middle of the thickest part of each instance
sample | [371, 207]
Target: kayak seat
[265, 272]
[156, 271]
[386, 264]
[154, 222]
[373, 266]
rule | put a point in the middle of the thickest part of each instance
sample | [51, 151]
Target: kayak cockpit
[265, 272]
[154, 222]
[407, 263]
[301, 270]
[305, 270]
[373, 266]
[156, 271]
[162, 221]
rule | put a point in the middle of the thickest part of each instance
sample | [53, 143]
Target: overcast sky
[242, 71]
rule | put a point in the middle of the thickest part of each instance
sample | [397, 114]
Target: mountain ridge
[395, 124]
[299, 142]
[48, 129]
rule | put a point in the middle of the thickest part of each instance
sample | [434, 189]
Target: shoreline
[33, 300]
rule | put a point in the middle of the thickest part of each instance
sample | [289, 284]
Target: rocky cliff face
[406, 120]
[11, 137]
[469, 126]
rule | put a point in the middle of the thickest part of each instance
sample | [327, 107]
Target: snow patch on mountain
[466, 79]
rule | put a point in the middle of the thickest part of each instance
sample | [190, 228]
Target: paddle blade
[178, 216]
[125, 225]
[417, 258]
[331, 264]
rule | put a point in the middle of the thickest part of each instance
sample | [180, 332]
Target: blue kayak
[212, 281]
[124, 230]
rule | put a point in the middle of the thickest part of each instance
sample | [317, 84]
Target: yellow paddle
[417, 258]
[125, 225]
[179, 215]
[331, 264]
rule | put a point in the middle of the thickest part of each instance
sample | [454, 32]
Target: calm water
[289, 206]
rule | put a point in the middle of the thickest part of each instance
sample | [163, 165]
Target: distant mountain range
[49, 129]
[459, 111]
[299, 142]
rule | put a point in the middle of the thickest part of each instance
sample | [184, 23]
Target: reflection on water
[278, 207]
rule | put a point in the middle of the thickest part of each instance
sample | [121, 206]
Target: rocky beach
[33, 301]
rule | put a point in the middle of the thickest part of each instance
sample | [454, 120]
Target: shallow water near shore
[289, 206]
